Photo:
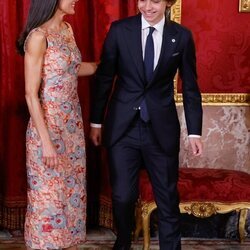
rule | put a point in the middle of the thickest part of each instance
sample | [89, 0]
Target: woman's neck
[55, 23]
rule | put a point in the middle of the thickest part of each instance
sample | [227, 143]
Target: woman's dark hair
[40, 11]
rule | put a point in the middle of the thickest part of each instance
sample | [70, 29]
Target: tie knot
[151, 30]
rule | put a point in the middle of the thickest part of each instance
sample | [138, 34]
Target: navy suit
[131, 142]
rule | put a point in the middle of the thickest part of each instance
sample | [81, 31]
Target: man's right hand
[96, 136]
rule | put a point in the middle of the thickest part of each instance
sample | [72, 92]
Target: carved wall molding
[176, 12]
[222, 99]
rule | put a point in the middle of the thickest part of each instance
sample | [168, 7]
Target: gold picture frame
[244, 5]
[212, 99]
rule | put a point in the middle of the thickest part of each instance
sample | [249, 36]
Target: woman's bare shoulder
[35, 41]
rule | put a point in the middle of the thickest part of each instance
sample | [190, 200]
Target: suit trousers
[139, 148]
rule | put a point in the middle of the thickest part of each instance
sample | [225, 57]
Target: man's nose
[148, 4]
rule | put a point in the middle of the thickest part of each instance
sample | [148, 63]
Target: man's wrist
[95, 125]
[194, 136]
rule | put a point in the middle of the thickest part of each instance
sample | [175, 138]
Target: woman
[55, 147]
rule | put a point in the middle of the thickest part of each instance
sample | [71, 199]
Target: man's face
[153, 10]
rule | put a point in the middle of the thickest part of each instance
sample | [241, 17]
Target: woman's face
[153, 10]
[67, 6]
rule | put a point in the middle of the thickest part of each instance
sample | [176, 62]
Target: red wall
[222, 37]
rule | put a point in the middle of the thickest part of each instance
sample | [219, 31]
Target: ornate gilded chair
[203, 192]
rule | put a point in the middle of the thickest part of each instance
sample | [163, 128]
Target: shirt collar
[159, 26]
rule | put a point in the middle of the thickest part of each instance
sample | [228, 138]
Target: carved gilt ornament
[244, 5]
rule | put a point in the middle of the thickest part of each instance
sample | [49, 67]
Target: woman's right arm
[33, 61]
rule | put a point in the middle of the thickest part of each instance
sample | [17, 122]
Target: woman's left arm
[87, 68]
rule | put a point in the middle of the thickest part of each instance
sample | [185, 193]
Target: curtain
[90, 24]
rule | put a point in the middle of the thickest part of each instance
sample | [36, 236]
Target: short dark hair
[40, 11]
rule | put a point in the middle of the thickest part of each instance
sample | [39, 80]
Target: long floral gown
[56, 212]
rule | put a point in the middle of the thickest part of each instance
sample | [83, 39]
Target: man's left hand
[196, 146]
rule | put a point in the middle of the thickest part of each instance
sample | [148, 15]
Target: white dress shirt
[157, 37]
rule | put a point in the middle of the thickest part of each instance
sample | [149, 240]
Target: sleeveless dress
[56, 211]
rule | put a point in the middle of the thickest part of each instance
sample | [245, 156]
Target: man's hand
[96, 136]
[196, 146]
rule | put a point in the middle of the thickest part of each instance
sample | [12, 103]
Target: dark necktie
[149, 70]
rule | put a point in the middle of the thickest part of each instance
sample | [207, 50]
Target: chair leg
[138, 221]
[242, 223]
[147, 209]
[146, 231]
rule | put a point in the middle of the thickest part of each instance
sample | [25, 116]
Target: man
[141, 126]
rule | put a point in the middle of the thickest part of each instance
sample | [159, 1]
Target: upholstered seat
[203, 192]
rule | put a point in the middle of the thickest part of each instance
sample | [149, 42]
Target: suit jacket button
[136, 108]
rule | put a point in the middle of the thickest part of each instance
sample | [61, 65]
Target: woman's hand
[50, 156]
[87, 68]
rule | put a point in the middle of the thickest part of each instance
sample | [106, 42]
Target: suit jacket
[122, 61]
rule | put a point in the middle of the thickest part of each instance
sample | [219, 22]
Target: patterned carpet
[103, 239]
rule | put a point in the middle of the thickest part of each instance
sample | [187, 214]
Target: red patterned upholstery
[203, 184]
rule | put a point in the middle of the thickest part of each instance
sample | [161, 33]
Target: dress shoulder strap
[29, 35]
[69, 27]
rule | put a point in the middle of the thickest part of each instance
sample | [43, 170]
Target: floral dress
[56, 212]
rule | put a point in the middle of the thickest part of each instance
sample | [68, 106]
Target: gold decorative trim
[176, 12]
[200, 209]
[242, 224]
[147, 208]
[203, 210]
[212, 99]
[244, 6]
[211, 207]
[223, 99]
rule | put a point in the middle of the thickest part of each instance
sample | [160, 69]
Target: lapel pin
[173, 40]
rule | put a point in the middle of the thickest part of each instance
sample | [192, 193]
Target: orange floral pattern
[56, 212]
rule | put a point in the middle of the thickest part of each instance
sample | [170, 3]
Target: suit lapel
[169, 42]
[133, 41]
